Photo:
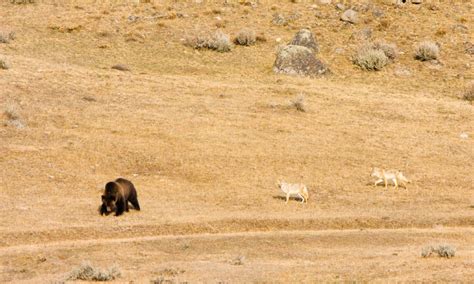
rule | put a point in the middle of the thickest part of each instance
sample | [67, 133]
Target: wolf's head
[376, 172]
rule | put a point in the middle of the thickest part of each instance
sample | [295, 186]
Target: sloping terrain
[205, 135]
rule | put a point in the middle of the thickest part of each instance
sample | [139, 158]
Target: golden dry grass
[198, 134]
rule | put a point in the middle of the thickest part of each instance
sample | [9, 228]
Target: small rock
[4, 65]
[460, 28]
[350, 16]
[340, 6]
[377, 13]
[133, 18]
[399, 2]
[120, 67]
[279, 20]
[320, 15]
[416, 1]
[401, 71]
[16, 123]
[469, 48]
[305, 38]
[464, 135]
[434, 64]
[325, 2]
[364, 34]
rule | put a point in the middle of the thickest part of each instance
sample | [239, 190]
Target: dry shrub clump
[88, 272]
[246, 37]
[6, 37]
[22, 1]
[299, 103]
[218, 41]
[446, 251]
[12, 114]
[427, 50]
[4, 65]
[239, 260]
[389, 49]
[371, 59]
[468, 94]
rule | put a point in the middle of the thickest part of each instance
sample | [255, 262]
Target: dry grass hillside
[204, 136]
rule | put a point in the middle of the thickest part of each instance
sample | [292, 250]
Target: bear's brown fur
[116, 196]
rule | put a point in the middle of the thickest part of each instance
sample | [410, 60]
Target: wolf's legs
[377, 182]
[302, 198]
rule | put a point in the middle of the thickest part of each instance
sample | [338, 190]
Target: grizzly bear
[116, 196]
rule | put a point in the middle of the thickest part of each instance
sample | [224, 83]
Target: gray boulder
[298, 60]
[350, 16]
[305, 38]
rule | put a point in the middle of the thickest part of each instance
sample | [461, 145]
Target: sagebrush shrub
[22, 1]
[197, 41]
[11, 112]
[427, 50]
[370, 59]
[445, 250]
[299, 103]
[86, 271]
[13, 117]
[4, 38]
[246, 37]
[389, 49]
[218, 41]
[468, 94]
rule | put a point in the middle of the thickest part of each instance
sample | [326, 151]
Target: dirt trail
[16, 238]
[76, 244]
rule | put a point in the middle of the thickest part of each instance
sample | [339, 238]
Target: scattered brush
[5, 38]
[12, 114]
[197, 42]
[218, 41]
[468, 94]
[299, 103]
[239, 260]
[427, 50]
[246, 37]
[167, 276]
[163, 280]
[445, 250]
[22, 1]
[389, 49]
[370, 59]
[87, 272]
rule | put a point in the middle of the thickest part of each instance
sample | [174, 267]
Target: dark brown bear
[116, 196]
